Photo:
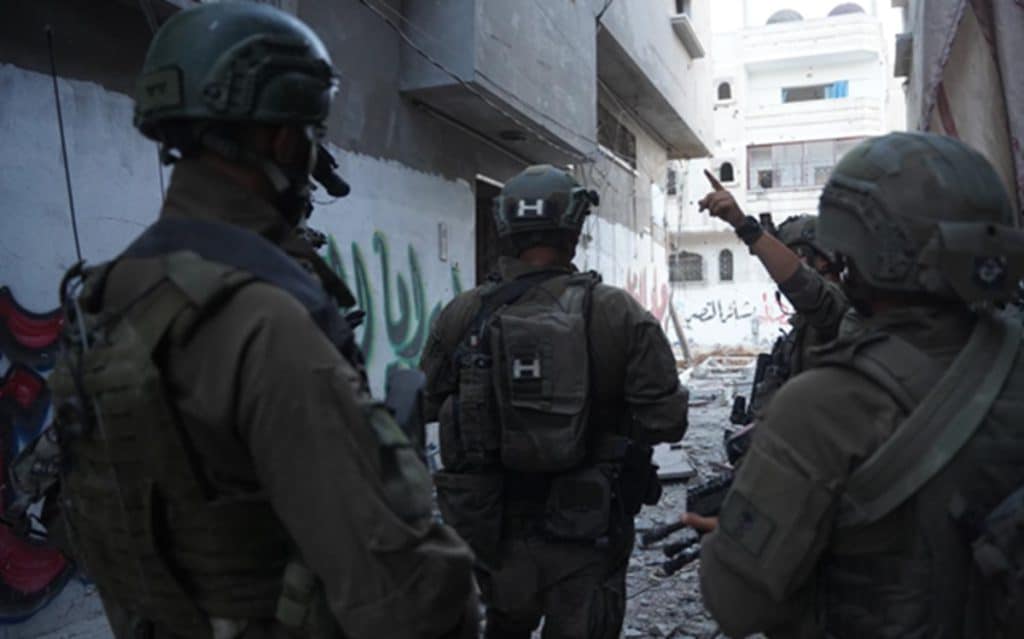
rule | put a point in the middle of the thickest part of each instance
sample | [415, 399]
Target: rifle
[704, 499]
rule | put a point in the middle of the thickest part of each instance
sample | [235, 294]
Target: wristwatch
[750, 230]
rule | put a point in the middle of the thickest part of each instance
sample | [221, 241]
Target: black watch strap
[750, 230]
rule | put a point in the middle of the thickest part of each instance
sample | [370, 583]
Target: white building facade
[796, 83]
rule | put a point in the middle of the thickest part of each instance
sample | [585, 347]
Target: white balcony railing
[818, 119]
[839, 37]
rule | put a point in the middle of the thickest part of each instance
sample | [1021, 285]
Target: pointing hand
[720, 203]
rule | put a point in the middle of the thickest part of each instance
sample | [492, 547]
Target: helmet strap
[293, 193]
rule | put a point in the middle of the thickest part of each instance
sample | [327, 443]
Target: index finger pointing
[715, 184]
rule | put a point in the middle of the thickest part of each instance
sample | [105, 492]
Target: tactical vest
[180, 561]
[519, 428]
[524, 376]
[958, 455]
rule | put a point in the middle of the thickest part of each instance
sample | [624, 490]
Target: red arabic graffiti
[774, 309]
[654, 299]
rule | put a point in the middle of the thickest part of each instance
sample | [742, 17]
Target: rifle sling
[938, 428]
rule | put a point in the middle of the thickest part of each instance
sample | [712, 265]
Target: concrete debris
[672, 608]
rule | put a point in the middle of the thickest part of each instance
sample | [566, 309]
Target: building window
[786, 15]
[725, 172]
[613, 135]
[830, 91]
[795, 164]
[685, 267]
[683, 7]
[670, 182]
[724, 91]
[846, 8]
[725, 266]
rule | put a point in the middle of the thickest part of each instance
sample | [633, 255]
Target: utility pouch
[471, 503]
[475, 423]
[635, 476]
[579, 505]
[541, 381]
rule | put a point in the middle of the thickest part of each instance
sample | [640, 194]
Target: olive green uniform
[578, 588]
[778, 564]
[820, 303]
[271, 410]
[822, 313]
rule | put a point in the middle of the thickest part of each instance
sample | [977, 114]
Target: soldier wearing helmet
[882, 494]
[807, 275]
[550, 388]
[227, 472]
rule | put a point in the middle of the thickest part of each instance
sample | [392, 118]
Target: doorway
[486, 235]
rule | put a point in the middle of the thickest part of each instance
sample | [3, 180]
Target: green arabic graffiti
[406, 320]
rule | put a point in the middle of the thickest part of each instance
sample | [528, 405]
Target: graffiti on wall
[654, 297]
[772, 310]
[404, 312]
[31, 575]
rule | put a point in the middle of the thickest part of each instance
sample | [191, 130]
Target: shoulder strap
[938, 428]
[244, 250]
[505, 293]
[887, 360]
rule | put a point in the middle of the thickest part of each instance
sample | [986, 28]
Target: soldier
[228, 474]
[880, 496]
[550, 388]
[806, 275]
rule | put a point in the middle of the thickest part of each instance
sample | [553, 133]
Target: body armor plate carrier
[180, 561]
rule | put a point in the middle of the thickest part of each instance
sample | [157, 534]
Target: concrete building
[960, 61]
[440, 103]
[795, 84]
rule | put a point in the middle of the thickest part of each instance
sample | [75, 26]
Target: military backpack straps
[953, 411]
[938, 426]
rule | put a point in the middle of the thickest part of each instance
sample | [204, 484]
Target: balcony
[815, 120]
[788, 44]
[542, 107]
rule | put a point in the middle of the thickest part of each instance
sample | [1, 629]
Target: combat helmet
[541, 201]
[236, 62]
[799, 233]
[919, 213]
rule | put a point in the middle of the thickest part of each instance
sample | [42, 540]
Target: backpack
[524, 375]
[936, 430]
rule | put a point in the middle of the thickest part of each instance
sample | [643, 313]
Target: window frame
[726, 258]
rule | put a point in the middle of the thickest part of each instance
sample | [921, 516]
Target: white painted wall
[758, 61]
[116, 188]
[393, 218]
[114, 175]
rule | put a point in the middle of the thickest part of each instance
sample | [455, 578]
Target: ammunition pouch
[472, 504]
[481, 441]
[636, 476]
[601, 499]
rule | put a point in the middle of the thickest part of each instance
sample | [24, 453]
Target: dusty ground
[671, 607]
